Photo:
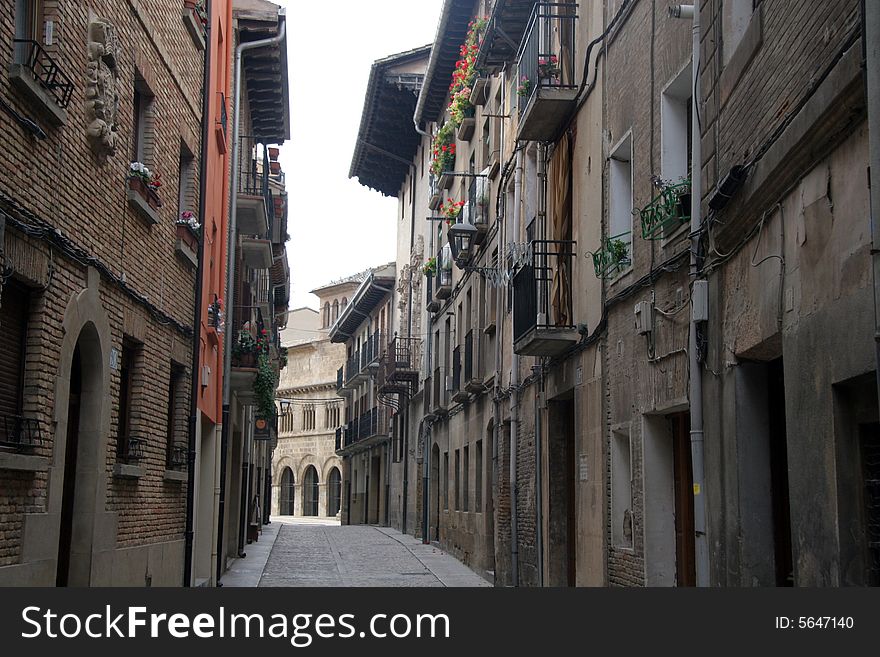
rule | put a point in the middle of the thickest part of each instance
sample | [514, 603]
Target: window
[177, 417]
[186, 191]
[14, 309]
[344, 303]
[28, 26]
[308, 422]
[143, 132]
[620, 185]
[735, 18]
[675, 135]
[621, 490]
[335, 309]
[466, 480]
[478, 485]
[457, 483]
[126, 444]
[327, 314]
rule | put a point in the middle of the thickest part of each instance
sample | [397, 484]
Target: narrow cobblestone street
[319, 552]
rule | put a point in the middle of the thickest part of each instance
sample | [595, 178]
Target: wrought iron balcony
[432, 304]
[177, 457]
[435, 195]
[546, 69]
[21, 434]
[478, 204]
[255, 203]
[458, 391]
[372, 425]
[353, 370]
[372, 351]
[398, 366]
[443, 289]
[44, 70]
[543, 322]
[667, 211]
[473, 382]
[439, 403]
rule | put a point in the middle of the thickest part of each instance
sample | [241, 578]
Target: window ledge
[186, 253]
[23, 462]
[21, 77]
[176, 476]
[126, 471]
[194, 27]
[140, 204]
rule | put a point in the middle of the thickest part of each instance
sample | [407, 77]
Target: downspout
[541, 175]
[197, 318]
[231, 241]
[499, 338]
[514, 384]
[871, 44]
[412, 239]
[695, 367]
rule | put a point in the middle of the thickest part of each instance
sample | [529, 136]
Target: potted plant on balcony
[525, 87]
[619, 251]
[430, 268]
[188, 229]
[443, 150]
[451, 210]
[146, 183]
[548, 70]
[244, 351]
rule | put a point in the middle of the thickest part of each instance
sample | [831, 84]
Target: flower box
[466, 128]
[274, 152]
[187, 243]
[143, 199]
[248, 360]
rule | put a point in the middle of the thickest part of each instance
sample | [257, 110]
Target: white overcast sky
[338, 227]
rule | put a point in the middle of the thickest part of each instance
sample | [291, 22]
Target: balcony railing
[432, 304]
[371, 424]
[435, 194]
[45, 71]
[398, 366]
[353, 366]
[340, 378]
[253, 178]
[20, 433]
[372, 350]
[473, 382]
[546, 68]
[458, 393]
[438, 392]
[478, 203]
[543, 296]
[444, 274]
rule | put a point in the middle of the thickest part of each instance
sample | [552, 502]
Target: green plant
[619, 251]
[443, 149]
[524, 88]
[430, 268]
[245, 344]
[264, 386]
[451, 209]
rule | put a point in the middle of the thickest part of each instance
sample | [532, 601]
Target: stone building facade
[307, 473]
[613, 331]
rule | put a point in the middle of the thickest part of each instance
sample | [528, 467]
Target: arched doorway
[334, 492]
[310, 492]
[435, 493]
[286, 506]
[83, 465]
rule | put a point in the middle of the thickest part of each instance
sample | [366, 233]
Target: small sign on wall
[583, 468]
[114, 359]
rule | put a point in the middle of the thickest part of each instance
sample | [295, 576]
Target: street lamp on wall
[461, 240]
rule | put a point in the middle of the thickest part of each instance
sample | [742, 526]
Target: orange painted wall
[218, 150]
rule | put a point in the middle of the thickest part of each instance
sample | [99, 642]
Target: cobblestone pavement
[310, 552]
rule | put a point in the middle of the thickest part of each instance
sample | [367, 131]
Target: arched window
[326, 314]
[286, 506]
[335, 309]
[310, 492]
[344, 303]
[334, 492]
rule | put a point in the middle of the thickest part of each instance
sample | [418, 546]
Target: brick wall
[59, 181]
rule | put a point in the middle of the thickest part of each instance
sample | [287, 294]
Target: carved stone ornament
[102, 99]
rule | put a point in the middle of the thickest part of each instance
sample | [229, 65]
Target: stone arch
[329, 464]
[287, 493]
[87, 336]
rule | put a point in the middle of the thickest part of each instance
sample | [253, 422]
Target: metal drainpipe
[412, 239]
[189, 533]
[541, 175]
[871, 45]
[514, 383]
[695, 368]
[231, 241]
[499, 332]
